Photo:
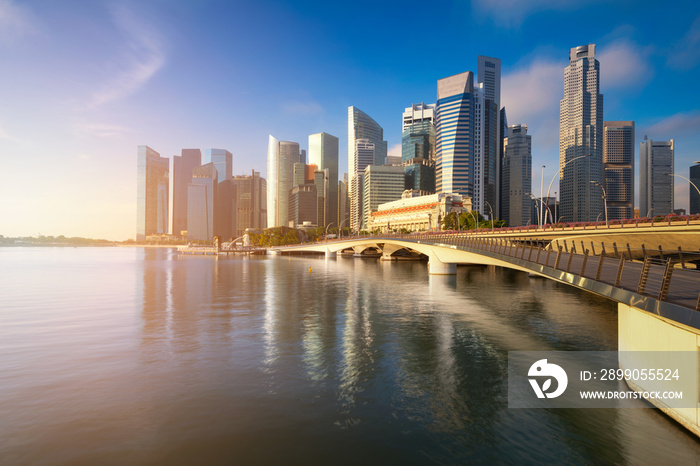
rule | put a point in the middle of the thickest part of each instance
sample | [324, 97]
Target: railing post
[592, 248]
[629, 250]
[529, 256]
[571, 256]
[615, 249]
[549, 251]
[619, 271]
[680, 255]
[522, 255]
[644, 250]
[566, 248]
[602, 245]
[583, 266]
[666, 282]
[661, 252]
[644, 276]
[573, 247]
[515, 254]
[539, 250]
[583, 248]
[600, 267]
[556, 262]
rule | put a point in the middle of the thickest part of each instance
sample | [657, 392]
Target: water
[139, 356]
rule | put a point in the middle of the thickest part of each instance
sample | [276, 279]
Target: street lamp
[561, 170]
[686, 179]
[605, 201]
[327, 228]
[491, 210]
[475, 220]
[539, 209]
[340, 228]
[541, 216]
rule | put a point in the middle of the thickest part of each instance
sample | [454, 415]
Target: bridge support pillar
[437, 267]
[331, 254]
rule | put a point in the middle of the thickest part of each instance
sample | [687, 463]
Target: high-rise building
[343, 203]
[222, 160]
[281, 157]
[323, 152]
[303, 204]
[250, 201]
[202, 203]
[517, 176]
[182, 177]
[418, 113]
[655, 177]
[581, 138]
[488, 140]
[694, 177]
[618, 168]
[224, 220]
[322, 183]
[454, 124]
[381, 184]
[152, 189]
[364, 135]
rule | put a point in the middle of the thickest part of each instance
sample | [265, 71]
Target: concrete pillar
[274, 252]
[331, 254]
[437, 267]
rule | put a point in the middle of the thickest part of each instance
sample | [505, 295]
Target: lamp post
[340, 228]
[474, 216]
[561, 170]
[327, 228]
[605, 201]
[491, 210]
[686, 179]
[541, 216]
[539, 209]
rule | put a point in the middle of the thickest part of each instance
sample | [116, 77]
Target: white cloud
[16, 21]
[623, 65]
[296, 107]
[512, 13]
[675, 126]
[100, 130]
[143, 56]
[685, 54]
[394, 151]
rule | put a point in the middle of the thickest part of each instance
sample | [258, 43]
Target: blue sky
[84, 83]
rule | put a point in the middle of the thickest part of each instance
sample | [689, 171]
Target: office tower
[303, 174]
[454, 125]
[223, 217]
[420, 176]
[618, 168]
[323, 152]
[503, 201]
[152, 188]
[581, 137]
[392, 160]
[380, 184]
[343, 202]
[202, 200]
[488, 140]
[364, 134]
[517, 176]
[695, 184]
[322, 183]
[223, 162]
[182, 177]
[251, 202]
[418, 147]
[303, 205]
[418, 113]
[655, 179]
[281, 157]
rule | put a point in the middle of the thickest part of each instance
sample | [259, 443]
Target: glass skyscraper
[152, 188]
[281, 157]
[182, 177]
[202, 197]
[581, 138]
[323, 152]
[618, 166]
[454, 124]
[655, 181]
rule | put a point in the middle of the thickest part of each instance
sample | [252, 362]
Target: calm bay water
[140, 356]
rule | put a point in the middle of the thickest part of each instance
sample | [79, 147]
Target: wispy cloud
[100, 130]
[512, 13]
[142, 57]
[675, 126]
[394, 151]
[296, 107]
[624, 65]
[16, 21]
[685, 54]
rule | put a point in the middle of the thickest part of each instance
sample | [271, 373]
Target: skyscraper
[618, 166]
[152, 188]
[488, 139]
[202, 200]
[655, 181]
[225, 210]
[182, 177]
[323, 152]
[362, 127]
[454, 124]
[250, 202]
[517, 176]
[694, 207]
[381, 184]
[222, 160]
[581, 137]
[281, 157]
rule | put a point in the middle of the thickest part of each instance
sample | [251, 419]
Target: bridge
[649, 270]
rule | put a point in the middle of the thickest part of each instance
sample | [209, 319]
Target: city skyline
[87, 84]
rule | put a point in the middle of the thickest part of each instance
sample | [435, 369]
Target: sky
[82, 84]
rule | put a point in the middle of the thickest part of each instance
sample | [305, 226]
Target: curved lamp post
[539, 209]
[561, 170]
[605, 201]
[491, 210]
[686, 179]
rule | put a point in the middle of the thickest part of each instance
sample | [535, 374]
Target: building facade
[488, 139]
[152, 193]
[182, 177]
[581, 137]
[618, 168]
[655, 179]
[303, 205]
[380, 184]
[281, 157]
[251, 203]
[418, 213]
[454, 125]
[694, 177]
[363, 134]
[517, 176]
[202, 203]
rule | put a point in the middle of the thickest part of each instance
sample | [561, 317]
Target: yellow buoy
[309, 269]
